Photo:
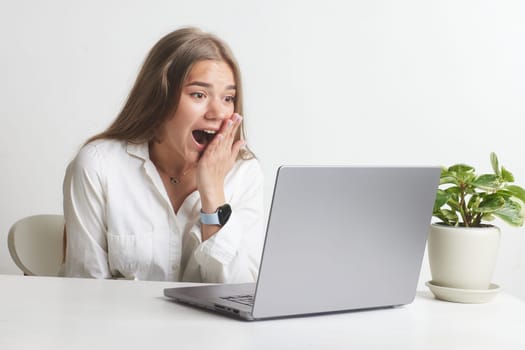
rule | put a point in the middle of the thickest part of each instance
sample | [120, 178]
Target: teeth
[212, 132]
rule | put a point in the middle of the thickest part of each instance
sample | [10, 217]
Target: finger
[227, 132]
[212, 147]
[237, 123]
[236, 148]
[217, 140]
[225, 128]
[232, 129]
[230, 126]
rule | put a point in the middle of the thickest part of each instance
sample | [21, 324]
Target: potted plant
[463, 245]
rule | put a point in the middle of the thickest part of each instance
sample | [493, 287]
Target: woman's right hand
[216, 161]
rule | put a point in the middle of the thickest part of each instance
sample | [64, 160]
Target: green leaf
[446, 216]
[488, 182]
[449, 179]
[490, 204]
[454, 205]
[474, 201]
[512, 213]
[454, 191]
[468, 178]
[438, 214]
[506, 195]
[441, 199]
[506, 175]
[470, 190]
[450, 216]
[453, 197]
[495, 163]
[461, 168]
[488, 217]
[515, 191]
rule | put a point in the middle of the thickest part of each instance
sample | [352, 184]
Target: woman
[169, 191]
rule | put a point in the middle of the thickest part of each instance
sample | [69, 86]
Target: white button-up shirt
[121, 224]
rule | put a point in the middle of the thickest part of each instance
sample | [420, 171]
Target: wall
[333, 82]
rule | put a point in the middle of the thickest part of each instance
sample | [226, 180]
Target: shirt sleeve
[84, 208]
[232, 255]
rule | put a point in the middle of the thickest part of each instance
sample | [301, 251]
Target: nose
[217, 110]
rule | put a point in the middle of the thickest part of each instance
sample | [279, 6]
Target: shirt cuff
[222, 246]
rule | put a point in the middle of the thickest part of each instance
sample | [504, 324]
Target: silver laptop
[337, 239]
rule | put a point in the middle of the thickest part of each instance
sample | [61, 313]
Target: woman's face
[207, 98]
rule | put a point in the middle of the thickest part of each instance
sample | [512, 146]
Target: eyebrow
[209, 86]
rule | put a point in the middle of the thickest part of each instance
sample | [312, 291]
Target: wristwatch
[220, 217]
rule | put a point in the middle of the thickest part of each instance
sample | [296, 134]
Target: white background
[332, 82]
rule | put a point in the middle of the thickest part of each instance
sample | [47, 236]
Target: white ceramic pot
[463, 257]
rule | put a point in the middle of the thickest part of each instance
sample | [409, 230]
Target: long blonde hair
[157, 90]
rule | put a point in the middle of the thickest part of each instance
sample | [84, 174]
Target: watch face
[224, 213]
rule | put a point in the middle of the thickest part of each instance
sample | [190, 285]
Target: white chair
[36, 244]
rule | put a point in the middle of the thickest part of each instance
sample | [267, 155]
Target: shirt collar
[140, 150]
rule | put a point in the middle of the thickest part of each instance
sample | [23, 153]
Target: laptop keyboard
[245, 299]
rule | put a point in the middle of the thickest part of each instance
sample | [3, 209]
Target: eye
[230, 99]
[198, 95]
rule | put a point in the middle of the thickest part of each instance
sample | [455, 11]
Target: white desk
[61, 313]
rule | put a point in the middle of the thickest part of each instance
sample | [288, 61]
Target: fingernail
[229, 123]
[238, 117]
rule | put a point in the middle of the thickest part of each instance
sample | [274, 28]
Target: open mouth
[203, 137]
